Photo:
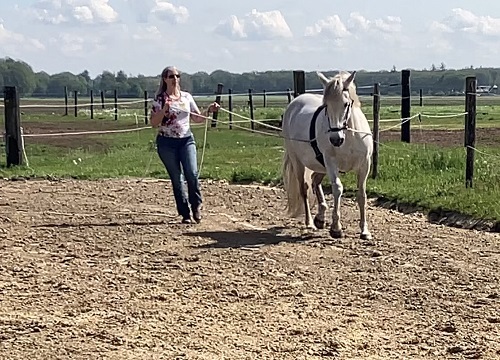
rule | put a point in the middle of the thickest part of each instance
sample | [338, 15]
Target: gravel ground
[103, 269]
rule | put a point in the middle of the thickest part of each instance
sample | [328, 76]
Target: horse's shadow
[249, 238]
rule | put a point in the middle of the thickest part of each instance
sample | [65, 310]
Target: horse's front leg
[337, 190]
[361, 198]
[319, 219]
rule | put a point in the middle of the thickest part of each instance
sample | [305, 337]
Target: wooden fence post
[421, 93]
[230, 104]
[13, 140]
[66, 100]
[146, 112]
[299, 82]
[470, 128]
[217, 100]
[405, 106]
[376, 122]
[91, 104]
[116, 104]
[76, 103]
[250, 105]
[102, 99]
[264, 98]
[289, 95]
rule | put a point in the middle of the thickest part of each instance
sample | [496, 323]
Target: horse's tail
[296, 181]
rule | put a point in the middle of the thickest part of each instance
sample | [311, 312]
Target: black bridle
[312, 128]
[347, 115]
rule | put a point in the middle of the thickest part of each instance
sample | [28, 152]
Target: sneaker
[186, 220]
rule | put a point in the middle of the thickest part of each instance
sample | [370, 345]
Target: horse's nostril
[336, 140]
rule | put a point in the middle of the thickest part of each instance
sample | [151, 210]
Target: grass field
[429, 175]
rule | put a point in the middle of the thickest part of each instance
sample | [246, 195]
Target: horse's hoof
[336, 234]
[311, 227]
[366, 236]
[320, 224]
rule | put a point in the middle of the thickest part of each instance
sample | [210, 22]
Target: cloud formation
[333, 27]
[463, 30]
[74, 11]
[467, 22]
[255, 26]
[13, 41]
[166, 11]
[146, 10]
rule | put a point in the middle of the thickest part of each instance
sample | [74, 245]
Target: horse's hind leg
[319, 219]
[306, 190]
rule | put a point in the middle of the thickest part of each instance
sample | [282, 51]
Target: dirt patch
[85, 141]
[446, 138]
[104, 269]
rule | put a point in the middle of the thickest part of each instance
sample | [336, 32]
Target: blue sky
[143, 36]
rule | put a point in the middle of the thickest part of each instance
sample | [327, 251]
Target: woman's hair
[162, 87]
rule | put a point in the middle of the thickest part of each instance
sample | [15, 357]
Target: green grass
[422, 175]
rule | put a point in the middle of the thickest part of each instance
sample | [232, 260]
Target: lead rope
[204, 146]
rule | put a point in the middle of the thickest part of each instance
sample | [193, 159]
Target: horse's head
[339, 95]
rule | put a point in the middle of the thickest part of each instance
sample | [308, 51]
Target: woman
[172, 110]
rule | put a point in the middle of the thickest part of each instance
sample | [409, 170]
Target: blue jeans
[174, 153]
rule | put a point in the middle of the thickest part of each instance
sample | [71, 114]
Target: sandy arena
[104, 270]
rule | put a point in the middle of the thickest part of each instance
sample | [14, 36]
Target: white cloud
[232, 28]
[255, 26]
[166, 11]
[333, 26]
[145, 10]
[12, 41]
[80, 11]
[149, 33]
[437, 27]
[464, 31]
[357, 23]
[465, 21]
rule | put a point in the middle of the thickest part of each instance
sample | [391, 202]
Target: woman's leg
[169, 152]
[188, 159]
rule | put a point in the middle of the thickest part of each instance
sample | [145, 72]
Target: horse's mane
[336, 86]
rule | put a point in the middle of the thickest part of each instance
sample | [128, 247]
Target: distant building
[486, 89]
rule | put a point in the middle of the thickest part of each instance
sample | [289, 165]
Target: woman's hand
[213, 107]
[198, 118]
[157, 117]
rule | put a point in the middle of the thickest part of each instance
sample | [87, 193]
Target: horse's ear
[349, 80]
[324, 80]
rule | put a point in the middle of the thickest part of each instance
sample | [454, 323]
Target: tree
[20, 74]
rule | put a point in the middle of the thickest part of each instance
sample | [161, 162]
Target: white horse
[326, 134]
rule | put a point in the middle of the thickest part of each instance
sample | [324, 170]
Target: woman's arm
[157, 115]
[195, 116]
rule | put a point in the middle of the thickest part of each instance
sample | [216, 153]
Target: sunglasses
[178, 76]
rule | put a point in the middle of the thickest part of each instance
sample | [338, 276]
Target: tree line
[432, 81]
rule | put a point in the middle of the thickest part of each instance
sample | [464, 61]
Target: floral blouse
[176, 123]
